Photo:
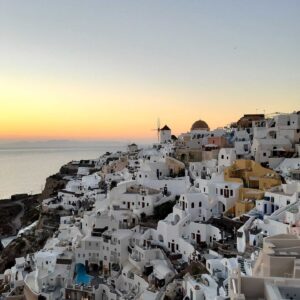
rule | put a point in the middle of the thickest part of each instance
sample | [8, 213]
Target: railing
[78, 287]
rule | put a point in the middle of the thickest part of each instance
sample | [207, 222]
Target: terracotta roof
[246, 120]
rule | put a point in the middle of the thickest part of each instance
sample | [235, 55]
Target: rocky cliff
[26, 212]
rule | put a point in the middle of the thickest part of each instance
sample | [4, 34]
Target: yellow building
[255, 179]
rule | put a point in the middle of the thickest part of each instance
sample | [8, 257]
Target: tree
[161, 211]
[113, 184]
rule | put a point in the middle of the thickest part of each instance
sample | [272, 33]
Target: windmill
[157, 129]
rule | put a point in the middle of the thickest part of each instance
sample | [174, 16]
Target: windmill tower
[165, 135]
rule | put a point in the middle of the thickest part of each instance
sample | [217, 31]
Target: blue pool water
[81, 276]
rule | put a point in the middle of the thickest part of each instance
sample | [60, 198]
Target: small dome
[200, 125]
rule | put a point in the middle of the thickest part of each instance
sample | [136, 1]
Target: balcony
[135, 257]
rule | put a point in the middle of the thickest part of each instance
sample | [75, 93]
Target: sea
[24, 166]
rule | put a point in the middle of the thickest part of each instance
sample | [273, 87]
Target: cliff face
[53, 184]
[30, 209]
[69, 169]
[8, 213]
[17, 213]
[31, 241]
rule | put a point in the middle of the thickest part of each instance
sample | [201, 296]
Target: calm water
[24, 170]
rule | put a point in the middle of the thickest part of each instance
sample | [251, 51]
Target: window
[192, 205]
[221, 192]
[222, 156]
[231, 193]
[288, 202]
[200, 204]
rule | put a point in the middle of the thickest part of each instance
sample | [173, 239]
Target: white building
[226, 158]
[165, 135]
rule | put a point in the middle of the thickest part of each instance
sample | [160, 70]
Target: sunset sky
[108, 69]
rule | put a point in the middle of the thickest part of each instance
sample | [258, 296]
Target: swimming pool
[81, 276]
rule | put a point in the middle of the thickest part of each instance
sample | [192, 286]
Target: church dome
[200, 125]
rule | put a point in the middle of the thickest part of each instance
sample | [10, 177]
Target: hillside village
[209, 214]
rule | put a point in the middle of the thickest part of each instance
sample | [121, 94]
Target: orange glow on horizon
[49, 109]
[102, 71]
